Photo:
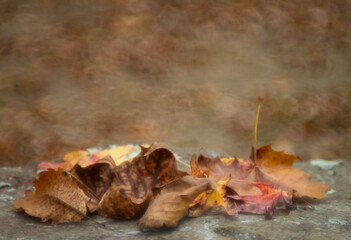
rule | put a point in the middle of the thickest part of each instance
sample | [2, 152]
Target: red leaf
[264, 203]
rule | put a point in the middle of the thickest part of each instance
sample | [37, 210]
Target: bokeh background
[76, 74]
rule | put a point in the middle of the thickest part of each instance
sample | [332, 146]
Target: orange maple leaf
[275, 168]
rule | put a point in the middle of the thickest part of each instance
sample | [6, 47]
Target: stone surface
[331, 218]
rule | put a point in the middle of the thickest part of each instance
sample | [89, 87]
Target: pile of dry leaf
[151, 187]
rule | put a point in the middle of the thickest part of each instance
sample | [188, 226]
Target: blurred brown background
[77, 74]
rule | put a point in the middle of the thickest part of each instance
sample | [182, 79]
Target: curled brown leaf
[57, 197]
[173, 201]
[131, 191]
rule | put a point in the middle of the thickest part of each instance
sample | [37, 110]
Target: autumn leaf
[95, 180]
[173, 201]
[123, 203]
[128, 195]
[97, 177]
[157, 165]
[119, 154]
[83, 158]
[263, 203]
[69, 161]
[57, 197]
[271, 167]
[131, 190]
[275, 168]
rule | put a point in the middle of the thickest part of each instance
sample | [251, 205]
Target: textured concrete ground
[331, 218]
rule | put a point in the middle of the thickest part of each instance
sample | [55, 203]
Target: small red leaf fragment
[264, 203]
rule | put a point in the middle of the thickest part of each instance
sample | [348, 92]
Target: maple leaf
[275, 168]
[271, 167]
[173, 201]
[57, 197]
[263, 203]
[131, 190]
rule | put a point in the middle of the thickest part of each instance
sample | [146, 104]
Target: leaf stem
[303, 200]
[256, 123]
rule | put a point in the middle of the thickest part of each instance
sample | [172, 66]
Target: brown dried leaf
[130, 193]
[128, 196]
[173, 201]
[122, 203]
[57, 197]
[95, 180]
[157, 166]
